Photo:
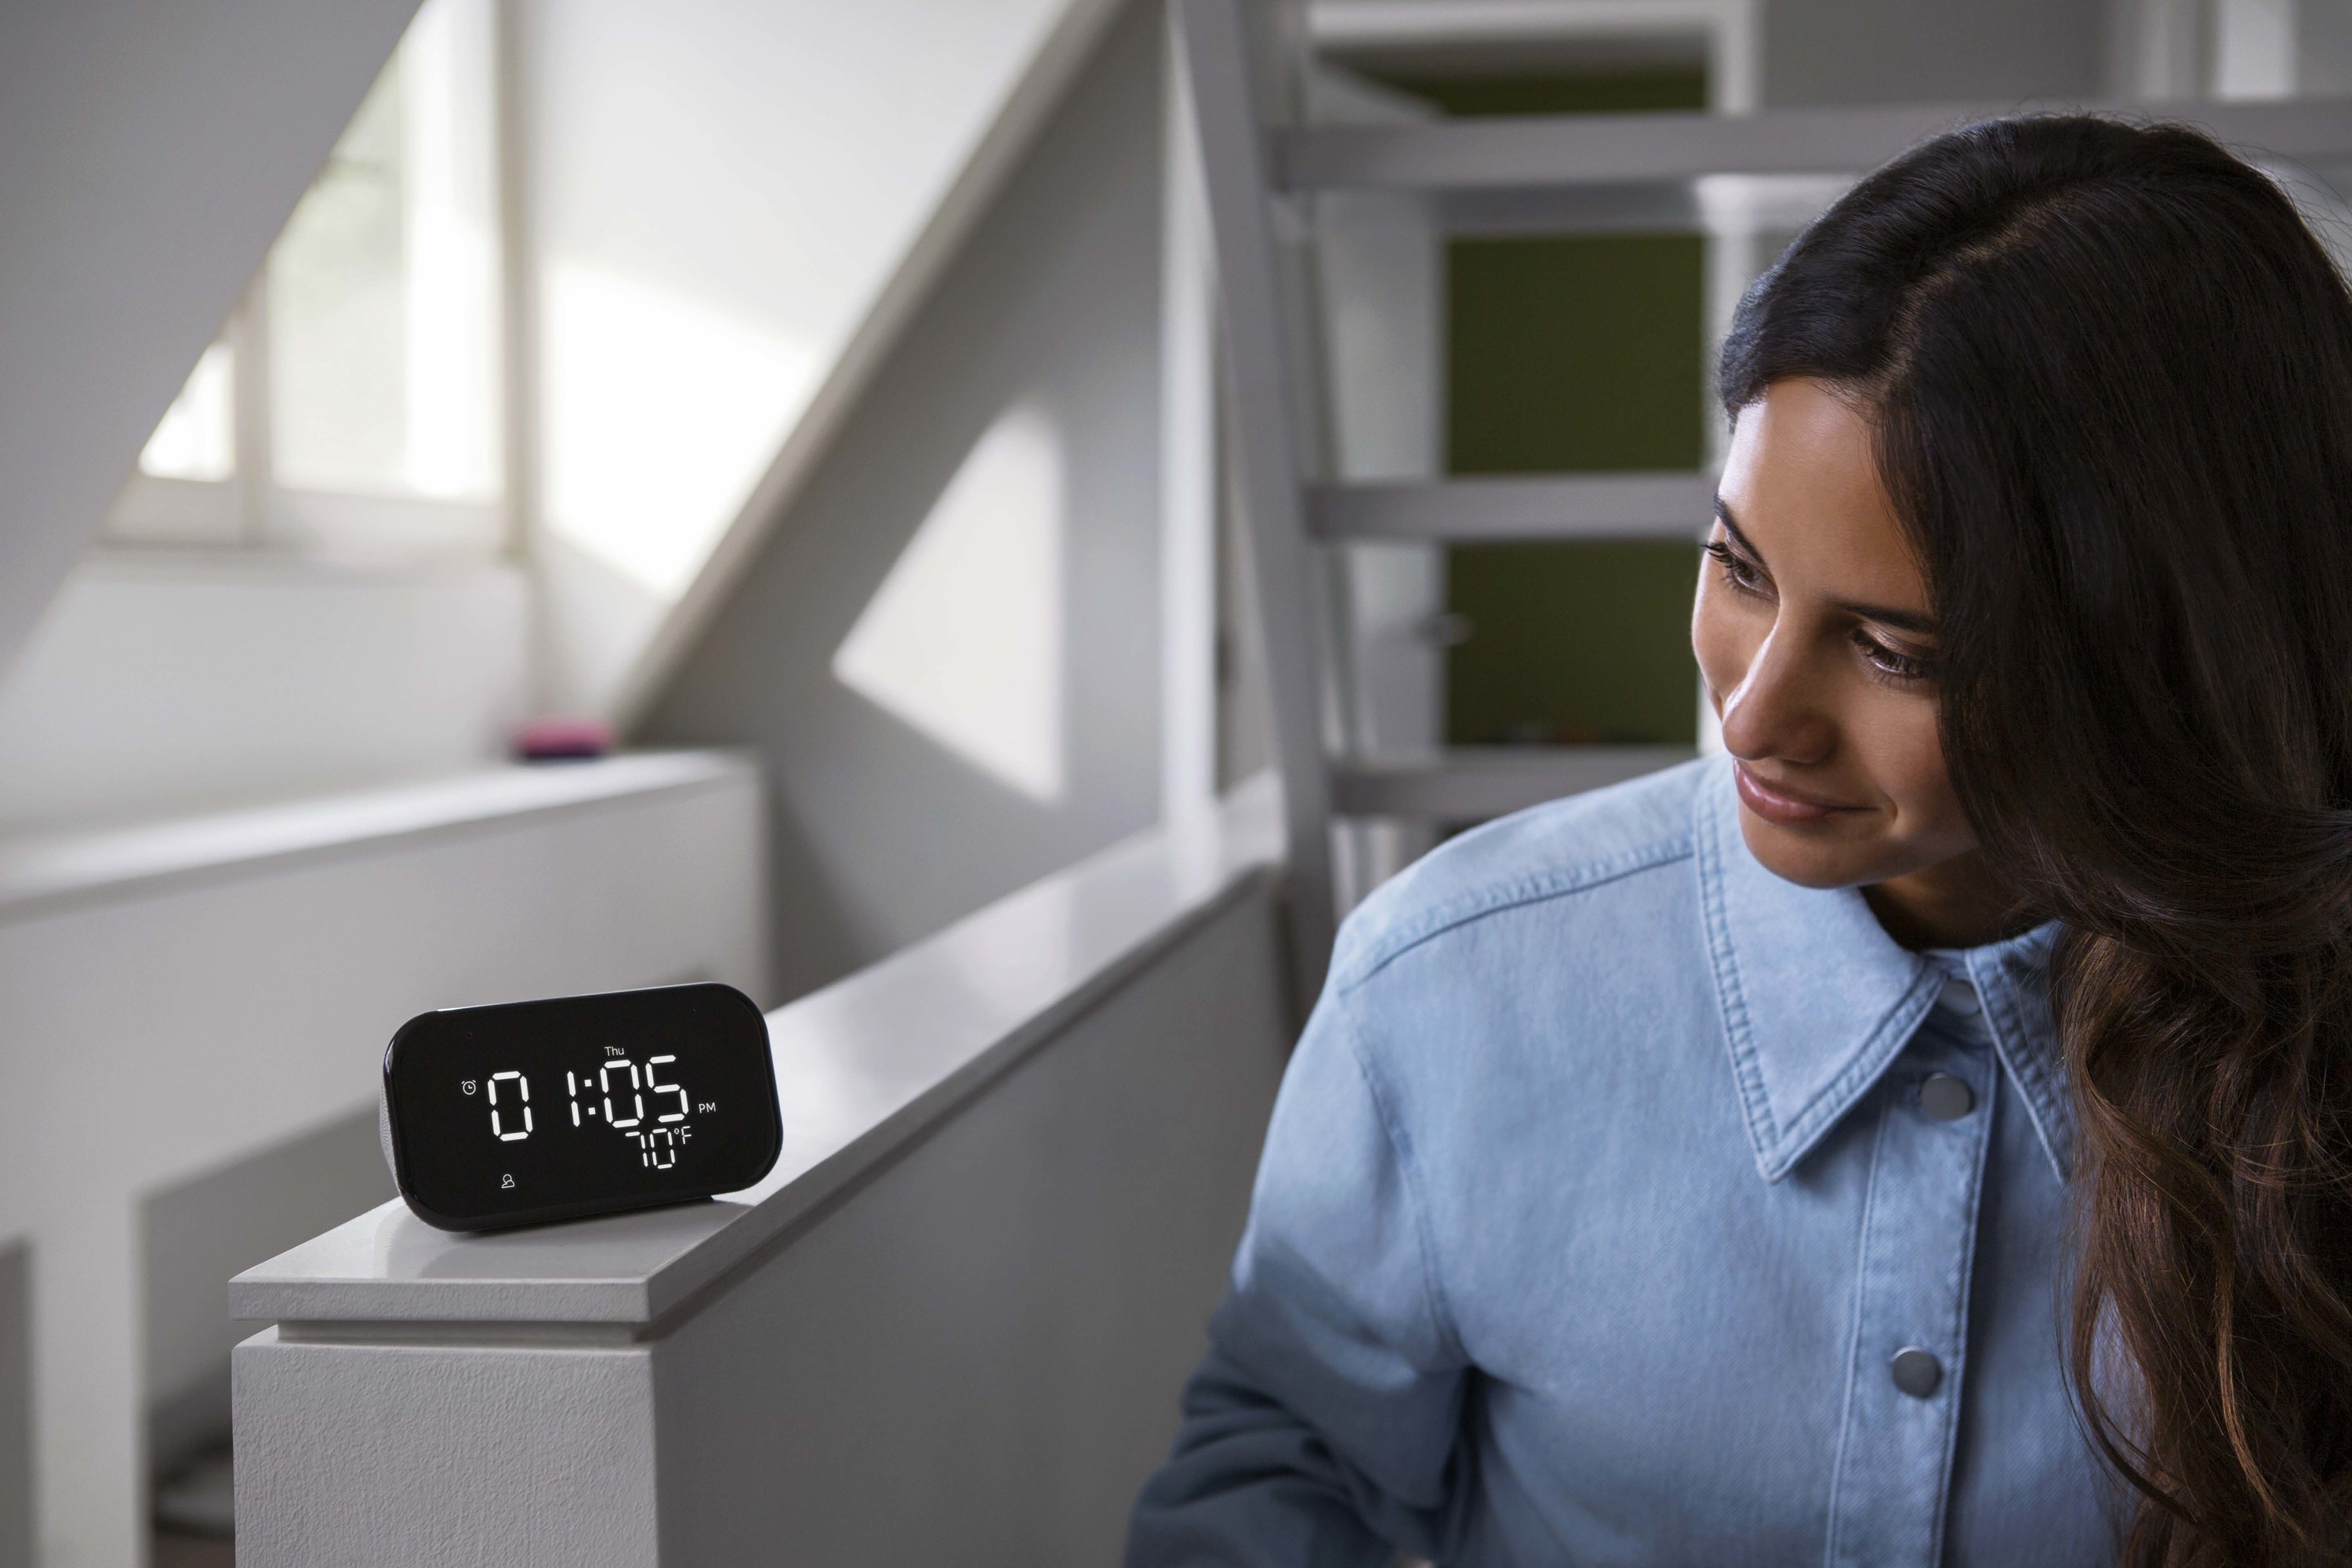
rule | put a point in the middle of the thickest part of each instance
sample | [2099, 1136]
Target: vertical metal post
[1213, 70]
[1188, 476]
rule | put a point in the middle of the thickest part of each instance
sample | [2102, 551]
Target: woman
[1923, 1135]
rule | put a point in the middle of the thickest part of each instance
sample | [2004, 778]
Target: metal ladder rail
[1535, 154]
[1503, 507]
[1286, 520]
[1212, 72]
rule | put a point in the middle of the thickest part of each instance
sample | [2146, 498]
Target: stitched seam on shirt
[2046, 1105]
[1984, 1131]
[1531, 890]
[1853, 1339]
[1731, 995]
[1884, 1045]
[1433, 1283]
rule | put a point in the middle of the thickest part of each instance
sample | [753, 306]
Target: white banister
[949, 1327]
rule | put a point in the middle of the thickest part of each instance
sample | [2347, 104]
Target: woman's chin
[1817, 855]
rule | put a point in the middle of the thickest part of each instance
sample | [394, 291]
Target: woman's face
[1814, 636]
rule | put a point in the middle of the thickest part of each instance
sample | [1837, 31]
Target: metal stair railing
[1543, 151]
[1511, 506]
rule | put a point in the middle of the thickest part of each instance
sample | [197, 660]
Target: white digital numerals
[637, 1100]
[658, 1147]
[653, 1082]
[631, 1111]
[521, 1102]
[620, 1086]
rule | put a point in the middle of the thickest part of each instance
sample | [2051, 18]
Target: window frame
[251, 512]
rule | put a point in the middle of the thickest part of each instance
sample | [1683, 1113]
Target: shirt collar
[1817, 999]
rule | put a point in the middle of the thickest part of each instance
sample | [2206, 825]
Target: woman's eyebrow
[1901, 620]
[1910, 621]
[1731, 526]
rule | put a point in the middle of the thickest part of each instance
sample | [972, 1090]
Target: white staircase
[1552, 175]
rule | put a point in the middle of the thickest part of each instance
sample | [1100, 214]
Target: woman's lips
[1778, 804]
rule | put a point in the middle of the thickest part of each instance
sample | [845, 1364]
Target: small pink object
[561, 740]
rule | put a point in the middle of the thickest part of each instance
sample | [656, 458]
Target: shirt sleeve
[1322, 1427]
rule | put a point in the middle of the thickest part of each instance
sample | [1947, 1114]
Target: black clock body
[530, 1112]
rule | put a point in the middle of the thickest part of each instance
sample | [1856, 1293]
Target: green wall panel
[1579, 353]
[1570, 354]
[1582, 642]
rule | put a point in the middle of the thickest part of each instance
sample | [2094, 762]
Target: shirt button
[1917, 1372]
[1960, 997]
[1945, 1097]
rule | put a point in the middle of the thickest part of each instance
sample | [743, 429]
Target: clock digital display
[579, 1105]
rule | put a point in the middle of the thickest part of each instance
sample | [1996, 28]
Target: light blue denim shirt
[1599, 1200]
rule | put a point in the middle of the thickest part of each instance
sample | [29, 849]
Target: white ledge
[38, 874]
[864, 1068]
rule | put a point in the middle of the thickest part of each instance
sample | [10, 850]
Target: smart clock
[530, 1112]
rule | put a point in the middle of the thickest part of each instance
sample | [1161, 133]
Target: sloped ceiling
[150, 151]
[950, 158]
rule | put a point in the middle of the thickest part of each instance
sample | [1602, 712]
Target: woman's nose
[1774, 711]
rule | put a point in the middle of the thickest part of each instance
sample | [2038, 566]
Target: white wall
[1889, 51]
[195, 1235]
[1870, 51]
[150, 149]
[155, 1036]
[1004, 1321]
[15, 1407]
[155, 685]
[716, 194]
[1041, 341]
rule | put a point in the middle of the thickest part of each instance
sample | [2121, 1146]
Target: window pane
[197, 437]
[383, 291]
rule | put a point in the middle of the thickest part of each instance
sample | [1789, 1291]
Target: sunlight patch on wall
[197, 437]
[660, 416]
[963, 640]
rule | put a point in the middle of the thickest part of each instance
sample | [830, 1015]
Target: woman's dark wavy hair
[2110, 374]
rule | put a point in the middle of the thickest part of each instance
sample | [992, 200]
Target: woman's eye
[1891, 663]
[1738, 571]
